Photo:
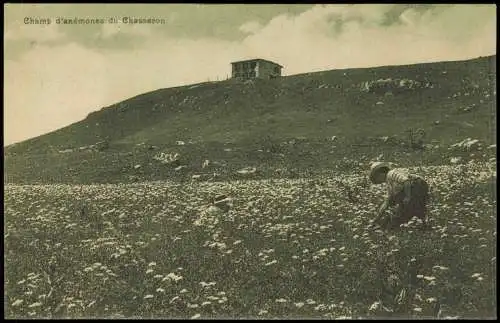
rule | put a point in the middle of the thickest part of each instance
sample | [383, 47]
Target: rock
[247, 171]
[180, 143]
[455, 160]
[102, 145]
[379, 103]
[469, 108]
[168, 158]
[133, 178]
[467, 144]
[178, 168]
[137, 166]
[218, 163]
[428, 146]
[437, 122]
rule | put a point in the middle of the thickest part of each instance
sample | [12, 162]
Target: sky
[56, 74]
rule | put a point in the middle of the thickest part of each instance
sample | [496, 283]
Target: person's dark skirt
[412, 202]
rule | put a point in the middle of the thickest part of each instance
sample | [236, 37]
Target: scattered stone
[467, 144]
[247, 171]
[168, 158]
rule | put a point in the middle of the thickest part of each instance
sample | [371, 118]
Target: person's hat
[376, 167]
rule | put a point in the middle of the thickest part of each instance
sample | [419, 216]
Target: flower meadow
[286, 249]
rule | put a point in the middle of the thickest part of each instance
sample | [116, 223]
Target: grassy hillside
[267, 115]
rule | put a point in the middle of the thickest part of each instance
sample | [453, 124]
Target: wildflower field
[287, 249]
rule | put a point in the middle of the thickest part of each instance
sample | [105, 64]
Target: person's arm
[381, 210]
[389, 201]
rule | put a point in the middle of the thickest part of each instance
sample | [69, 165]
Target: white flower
[37, 304]
[175, 298]
[17, 302]
[271, 263]
[172, 276]
[375, 306]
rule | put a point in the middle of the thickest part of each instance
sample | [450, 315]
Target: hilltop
[285, 123]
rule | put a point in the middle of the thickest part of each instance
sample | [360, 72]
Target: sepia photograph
[250, 161]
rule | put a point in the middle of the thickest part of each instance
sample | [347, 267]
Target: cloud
[74, 80]
[61, 83]
[38, 33]
[333, 36]
[250, 27]
[50, 88]
[110, 30]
